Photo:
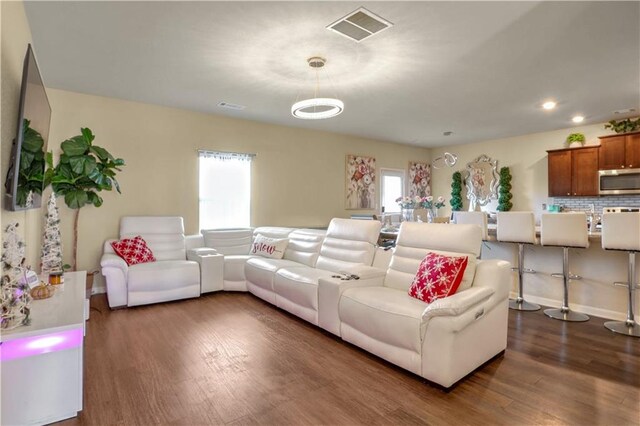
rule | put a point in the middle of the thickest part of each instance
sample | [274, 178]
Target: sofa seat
[392, 316]
[296, 290]
[234, 278]
[163, 280]
[260, 273]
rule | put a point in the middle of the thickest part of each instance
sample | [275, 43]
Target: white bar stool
[520, 228]
[473, 218]
[621, 231]
[566, 230]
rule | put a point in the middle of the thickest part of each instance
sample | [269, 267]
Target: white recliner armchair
[170, 277]
[442, 341]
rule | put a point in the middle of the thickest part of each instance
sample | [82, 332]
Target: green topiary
[456, 192]
[504, 200]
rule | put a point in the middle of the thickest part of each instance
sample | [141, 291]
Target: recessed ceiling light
[549, 105]
[447, 133]
[577, 119]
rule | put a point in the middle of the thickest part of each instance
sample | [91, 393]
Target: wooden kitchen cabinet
[573, 172]
[620, 151]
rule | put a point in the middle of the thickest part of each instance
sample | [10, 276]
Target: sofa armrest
[490, 288]
[115, 271]
[329, 292]
[211, 268]
[457, 304]
[193, 241]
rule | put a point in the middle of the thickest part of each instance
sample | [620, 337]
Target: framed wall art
[419, 179]
[361, 182]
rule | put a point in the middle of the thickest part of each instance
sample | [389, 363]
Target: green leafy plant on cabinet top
[623, 126]
[82, 172]
[575, 137]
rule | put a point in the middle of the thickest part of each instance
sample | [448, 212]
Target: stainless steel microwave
[623, 181]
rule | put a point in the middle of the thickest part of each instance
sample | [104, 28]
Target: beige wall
[526, 156]
[15, 35]
[298, 175]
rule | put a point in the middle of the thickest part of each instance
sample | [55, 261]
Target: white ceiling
[479, 69]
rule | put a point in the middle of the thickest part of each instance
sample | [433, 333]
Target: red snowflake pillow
[133, 250]
[438, 276]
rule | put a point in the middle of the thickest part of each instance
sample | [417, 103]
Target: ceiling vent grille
[228, 105]
[359, 25]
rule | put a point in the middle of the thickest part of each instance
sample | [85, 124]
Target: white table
[41, 365]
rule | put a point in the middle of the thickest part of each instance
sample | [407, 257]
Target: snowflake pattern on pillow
[438, 276]
[133, 250]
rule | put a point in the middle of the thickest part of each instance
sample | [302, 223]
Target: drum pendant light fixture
[317, 108]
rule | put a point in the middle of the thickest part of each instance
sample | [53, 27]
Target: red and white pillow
[133, 250]
[438, 276]
[269, 247]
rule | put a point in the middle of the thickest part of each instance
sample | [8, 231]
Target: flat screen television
[25, 177]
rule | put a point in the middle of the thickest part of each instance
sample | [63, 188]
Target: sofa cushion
[304, 246]
[438, 276]
[385, 314]
[348, 242]
[133, 250]
[234, 267]
[300, 285]
[261, 271]
[164, 235]
[231, 241]
[268, 247]
[163, 275]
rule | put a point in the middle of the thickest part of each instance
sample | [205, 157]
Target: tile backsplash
[584, 203]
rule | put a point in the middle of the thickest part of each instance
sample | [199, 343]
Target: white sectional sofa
[442, 341]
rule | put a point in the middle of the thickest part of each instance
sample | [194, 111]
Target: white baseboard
[589, 310]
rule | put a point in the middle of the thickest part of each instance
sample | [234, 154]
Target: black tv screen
[25, 177]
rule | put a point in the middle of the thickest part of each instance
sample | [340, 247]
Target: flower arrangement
[429, 204]
[409, 202]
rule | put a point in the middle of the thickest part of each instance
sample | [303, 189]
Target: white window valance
[221, 155]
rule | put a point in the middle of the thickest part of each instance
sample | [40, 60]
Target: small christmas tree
[504, 199]
[51, 255]
[456, 192]
[15, 299]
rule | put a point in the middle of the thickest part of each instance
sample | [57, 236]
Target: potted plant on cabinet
[82, 172]
[575, 138]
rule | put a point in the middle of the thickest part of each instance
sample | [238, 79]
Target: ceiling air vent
[359, 25]
[231, 106]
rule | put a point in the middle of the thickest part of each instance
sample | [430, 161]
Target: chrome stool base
[566, 315]
[523, 305]
[623, 327]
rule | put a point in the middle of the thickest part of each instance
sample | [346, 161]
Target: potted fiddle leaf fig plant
[84, 170]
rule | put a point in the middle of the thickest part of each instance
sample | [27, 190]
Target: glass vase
[431, 215]
[407, 215]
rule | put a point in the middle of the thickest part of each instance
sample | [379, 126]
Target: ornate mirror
[482, 181]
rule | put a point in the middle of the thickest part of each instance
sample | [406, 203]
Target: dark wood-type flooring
[231, 358]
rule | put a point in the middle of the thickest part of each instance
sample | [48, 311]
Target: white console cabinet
[41, 365]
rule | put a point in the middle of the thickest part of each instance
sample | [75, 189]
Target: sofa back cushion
[272, 231]
[230, 241]
[348, 242]
[415, 240]
[164, 235]
[304, 246]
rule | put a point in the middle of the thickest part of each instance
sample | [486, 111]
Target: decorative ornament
[42, 291]
[15, 298]
[51, 254]
[456, 192]
[504, 199]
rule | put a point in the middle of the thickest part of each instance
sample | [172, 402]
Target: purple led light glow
[37, 345]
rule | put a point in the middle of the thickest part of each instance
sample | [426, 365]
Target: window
[225, 189]
[391, 187]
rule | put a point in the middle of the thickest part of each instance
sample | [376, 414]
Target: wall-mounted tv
[25, 177]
